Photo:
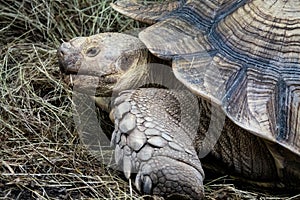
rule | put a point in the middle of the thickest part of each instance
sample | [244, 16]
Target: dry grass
[40, 152]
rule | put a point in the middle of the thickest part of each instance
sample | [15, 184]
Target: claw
[118, 155]
[147, 187]
[127, 166]
[113, 139]
[138, 182]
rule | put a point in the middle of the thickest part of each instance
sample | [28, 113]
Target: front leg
[153, 138]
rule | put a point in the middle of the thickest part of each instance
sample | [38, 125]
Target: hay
[40, 152]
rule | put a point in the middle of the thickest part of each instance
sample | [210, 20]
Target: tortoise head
[98, 62]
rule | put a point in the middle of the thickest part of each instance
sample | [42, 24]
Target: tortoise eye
[92, 52]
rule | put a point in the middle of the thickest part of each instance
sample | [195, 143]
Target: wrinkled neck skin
[136, 75]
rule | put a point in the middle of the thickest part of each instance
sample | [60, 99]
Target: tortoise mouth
[91, 84]
[73, 78]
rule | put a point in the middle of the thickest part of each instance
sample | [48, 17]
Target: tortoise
[238, 67]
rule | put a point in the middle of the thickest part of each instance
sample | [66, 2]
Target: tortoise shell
[242, 55]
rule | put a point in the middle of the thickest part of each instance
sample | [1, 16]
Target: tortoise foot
[149, 145]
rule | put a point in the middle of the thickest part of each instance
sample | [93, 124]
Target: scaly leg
[153, 139]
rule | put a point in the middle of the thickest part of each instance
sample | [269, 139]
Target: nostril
[147, 187]
[64, 48]
[60, 53]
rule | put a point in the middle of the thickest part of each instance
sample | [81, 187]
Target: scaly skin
[153, 142]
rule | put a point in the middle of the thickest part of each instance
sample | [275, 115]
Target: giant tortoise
[235, 108]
